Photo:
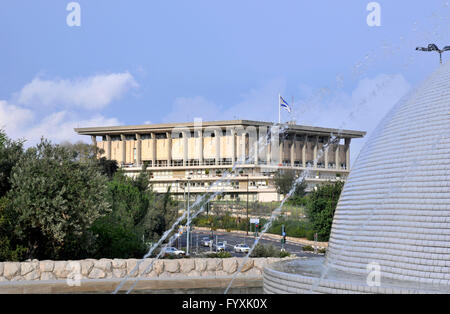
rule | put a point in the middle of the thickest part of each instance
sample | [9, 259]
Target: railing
[229, 163]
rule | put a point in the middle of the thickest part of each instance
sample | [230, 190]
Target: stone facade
[120, 268]
[200, 153]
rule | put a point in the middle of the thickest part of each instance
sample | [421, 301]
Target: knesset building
[200, 152]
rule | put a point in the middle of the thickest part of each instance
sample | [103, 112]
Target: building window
[160, 135]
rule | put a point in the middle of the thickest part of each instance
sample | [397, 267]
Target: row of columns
[233, 149]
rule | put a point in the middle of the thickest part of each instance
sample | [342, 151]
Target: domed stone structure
[394, 211]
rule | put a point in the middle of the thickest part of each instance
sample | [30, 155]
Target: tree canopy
[320, 207]
[54, 200]
[62, 202]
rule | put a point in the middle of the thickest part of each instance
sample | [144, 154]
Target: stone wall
[120, 268]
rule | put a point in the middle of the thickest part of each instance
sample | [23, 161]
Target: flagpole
[279, 109]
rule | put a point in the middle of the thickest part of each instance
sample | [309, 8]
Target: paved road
[235, 238]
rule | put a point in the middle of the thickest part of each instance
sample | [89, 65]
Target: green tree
[320, 207]
[117, 233]
[161, 215]
[138, 215]
[10, 249]
[284, 181]
[108, 167]
[10, 153]
[54, 200]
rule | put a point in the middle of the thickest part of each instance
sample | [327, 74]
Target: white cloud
[53, 108]
[14, 118]
[92, 93]
[59, 127]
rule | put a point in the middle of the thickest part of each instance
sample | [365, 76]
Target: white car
[173, 251]
[206, 242]
[241, 248]
[220, 247]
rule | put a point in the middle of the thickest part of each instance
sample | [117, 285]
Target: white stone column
[124, 148]
[316, 143]
[138, 149]
[217, 135]
[281, 151]
[200, 146]
[94, 140]
[153, 143]
[185, 148]
[325, 151]
[108, 147]
[293, 150]
[347, 153]
[243, 147]
[336, 156]
[304, 146]
[256, 150]
[233, 147]
[169, 148]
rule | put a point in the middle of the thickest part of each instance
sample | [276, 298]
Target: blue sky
[135, 62]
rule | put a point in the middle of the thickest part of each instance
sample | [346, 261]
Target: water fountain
[391, 230]
[200, 202]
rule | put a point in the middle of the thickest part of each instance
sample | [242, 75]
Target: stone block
[230, 265]
[260, 263]
[158, 267]
[103, 264]
[33, 275]
[171, 266]
[145, 267]
[60, 270]
[46, 266]
[247, 266]
[86, 267]
[28, 267]
[11, 269]
[200, 264]
[97, 273]
[214, 264]
[119, 263]
[119, 272]
[131, 264]
[47, 276]
[187, 265]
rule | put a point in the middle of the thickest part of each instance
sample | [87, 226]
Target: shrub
[284, 254]
[261, 250]
[218, 254]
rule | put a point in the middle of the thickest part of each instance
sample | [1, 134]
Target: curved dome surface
[395, 206]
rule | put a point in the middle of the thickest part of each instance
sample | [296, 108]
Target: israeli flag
[284, 104]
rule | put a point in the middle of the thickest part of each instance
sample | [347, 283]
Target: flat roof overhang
[167, 127]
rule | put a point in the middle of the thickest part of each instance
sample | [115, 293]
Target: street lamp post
[188, 217]
[246, 175]
[433, 47]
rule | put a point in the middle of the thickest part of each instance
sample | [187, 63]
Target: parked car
[241, 248]
[220, 247]
[206, 241]
[173, 251]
